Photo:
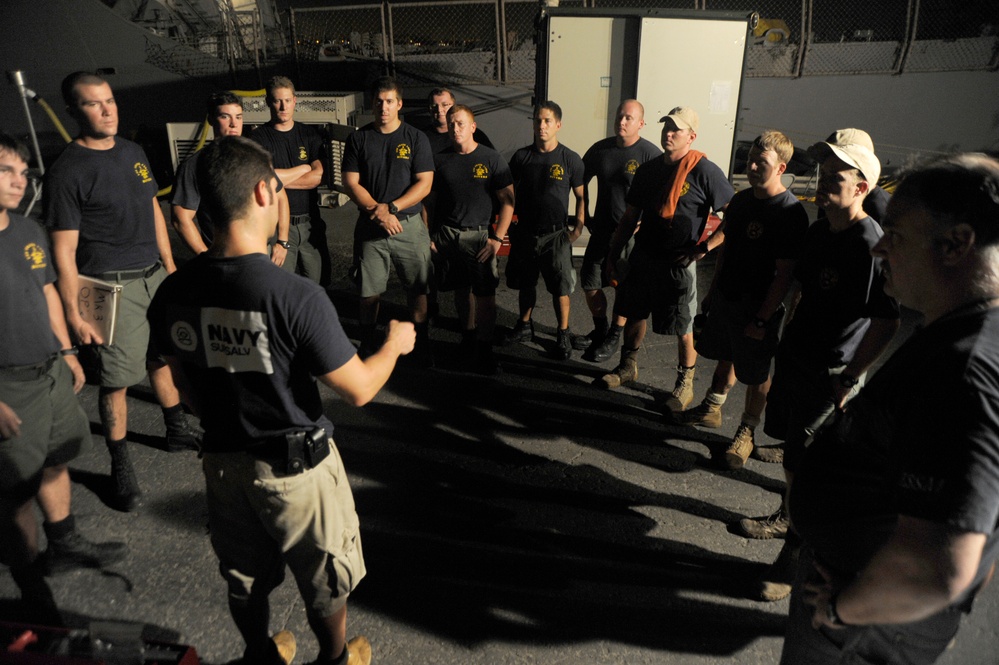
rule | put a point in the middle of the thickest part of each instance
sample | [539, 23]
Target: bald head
[628, 122]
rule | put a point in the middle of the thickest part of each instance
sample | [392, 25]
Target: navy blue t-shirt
[543, 181]
[388, 163]
[705, 189]
[466, 186]
[842, 289]
[921, 439]
[251, 338]
[758, 233]
[25, 269]
[614, 167]
[106, 195]
[302, 144]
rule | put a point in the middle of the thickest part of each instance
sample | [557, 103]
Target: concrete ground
[526, 518]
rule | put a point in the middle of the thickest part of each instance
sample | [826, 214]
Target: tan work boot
[704, 414]
[683, 391]
[284, 641]
[359, 651]
[765, 528]
[776, 582]
[740, 448]
[626, 371]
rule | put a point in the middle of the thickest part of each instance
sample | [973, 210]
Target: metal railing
[494, 41]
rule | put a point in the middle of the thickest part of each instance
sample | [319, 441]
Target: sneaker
[625, 372]
[522, 332]
[776, 582]
[769, 454]
[563, 345]
[765, 528]
[704, 414]
[738, 451]
[181, 435]
[126, 495]
[683, 392]
[608, 347]
[359, 650]
[75, 551]
[284, 642]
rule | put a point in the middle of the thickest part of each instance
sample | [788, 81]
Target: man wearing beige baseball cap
[840, 321]
[876, 201]
[673, 198]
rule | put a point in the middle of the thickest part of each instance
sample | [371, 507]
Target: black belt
[295, 452]
[28, 372]
[480, 227]
[295, 219]
[545, 230]
[126, 275]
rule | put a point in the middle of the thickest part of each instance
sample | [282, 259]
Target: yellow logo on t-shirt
[480, 171]
[403, 151]
[556, 172]
[142, 171]
[685, 189]
[754, 230]
[36, 255]
[631, 166]
[303, 154]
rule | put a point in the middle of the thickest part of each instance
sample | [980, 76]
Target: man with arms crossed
[764, 230]
[105, 221]
[42, 426]
[897, 497]
[298, 152]
[541, 242]
[388, 170]
[469, 178]
[613, 161]
[248, 341]
[225, 115]
[672, 197]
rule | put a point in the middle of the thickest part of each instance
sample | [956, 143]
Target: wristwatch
[71, 351]
[283, 243]
[832, 616]
[393, 208]
[848, 381]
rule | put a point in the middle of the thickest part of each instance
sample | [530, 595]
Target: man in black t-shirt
[672, 197]
[840, 323]
[470, 180]
[42, 426]
[613, 161]
[897, 497]
[764, 231]
[544, 173]
[194, 225]
[439, 103]
[388, 170]
[298, 151]
[247, 342]
[106, 223]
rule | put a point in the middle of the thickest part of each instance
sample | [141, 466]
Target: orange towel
[672, 196]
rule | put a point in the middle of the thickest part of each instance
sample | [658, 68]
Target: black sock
[171, 412]
[115, 444]
[56, 531]
[342, 658]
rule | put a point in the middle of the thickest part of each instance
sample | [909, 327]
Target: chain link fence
[482, 41]
[451, 41]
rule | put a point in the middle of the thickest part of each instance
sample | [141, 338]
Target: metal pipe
[17, 78]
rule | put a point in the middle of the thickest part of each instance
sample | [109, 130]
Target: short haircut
[70, 83]
[10, 144]
[441, 91]
[221, 98]
[276, 82]
[460, 107]
[551, 106]
[771, 139]
[228, 170]
[385, 84]
[959, 189]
